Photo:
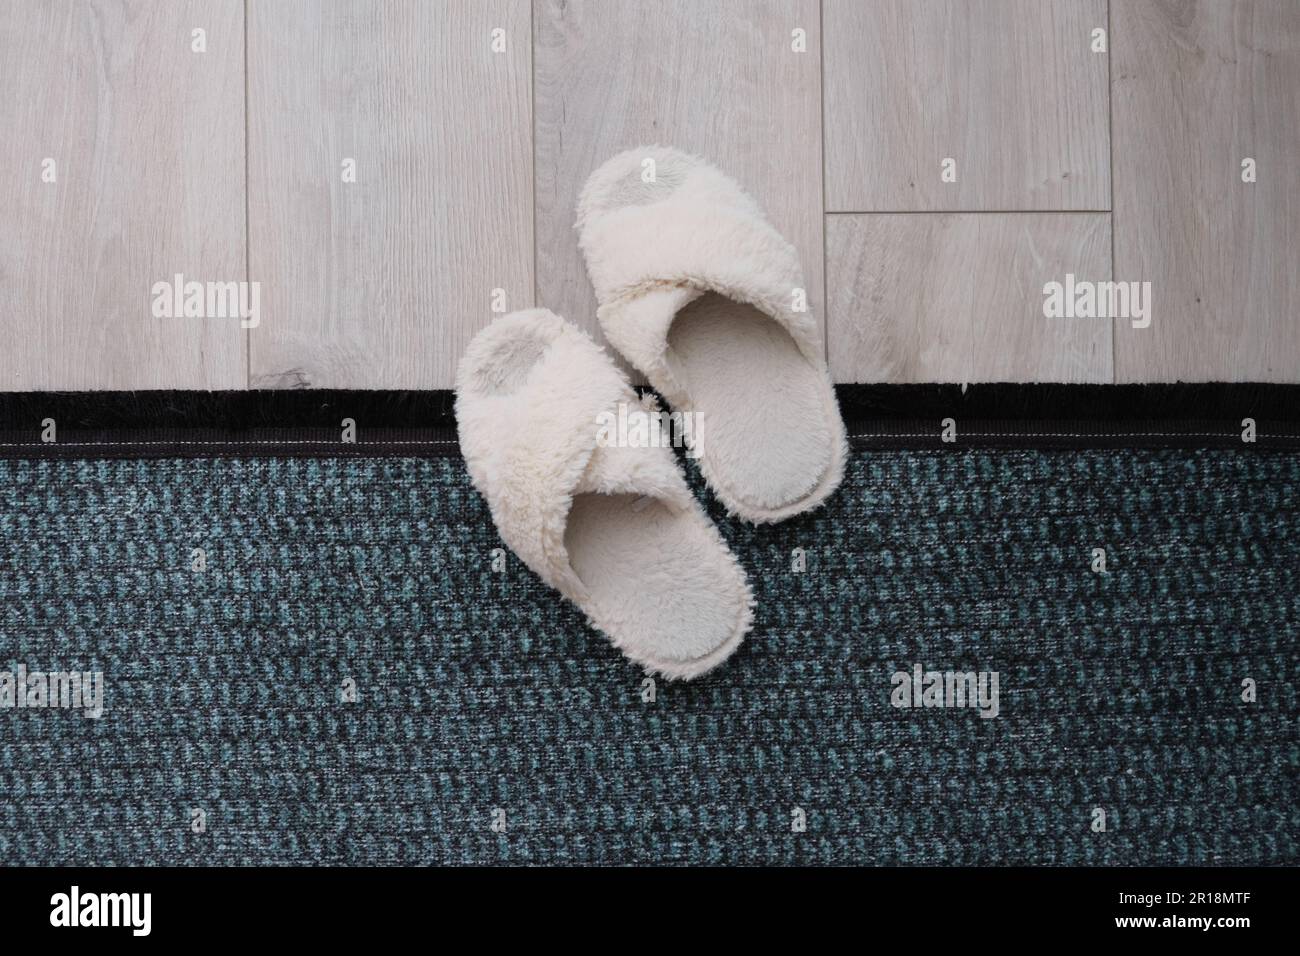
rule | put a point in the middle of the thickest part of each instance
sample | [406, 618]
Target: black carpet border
[309, 422]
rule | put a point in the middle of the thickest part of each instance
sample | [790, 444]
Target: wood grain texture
[381, 283]
[1199, 86]
[718, 79]
[958, 297]
[148, 141]
[1010, 89]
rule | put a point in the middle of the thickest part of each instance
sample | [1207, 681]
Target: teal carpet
[490, 725]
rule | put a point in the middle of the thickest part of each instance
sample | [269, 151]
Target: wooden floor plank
[958, 297]
[121, 165]
[720, 79]
[1010, 90]
[1198, 88]
[381, 282]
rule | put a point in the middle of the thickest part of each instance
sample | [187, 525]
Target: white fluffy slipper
[699, 293]
[614, 529]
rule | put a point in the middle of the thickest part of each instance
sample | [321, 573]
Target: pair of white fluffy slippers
[700, 294]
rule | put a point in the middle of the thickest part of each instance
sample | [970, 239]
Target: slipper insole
[661, 580]
[764, 423]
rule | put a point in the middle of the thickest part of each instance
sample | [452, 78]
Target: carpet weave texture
[491, 725]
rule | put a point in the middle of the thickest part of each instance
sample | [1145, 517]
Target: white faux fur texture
[700, 293]
[614, 529]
